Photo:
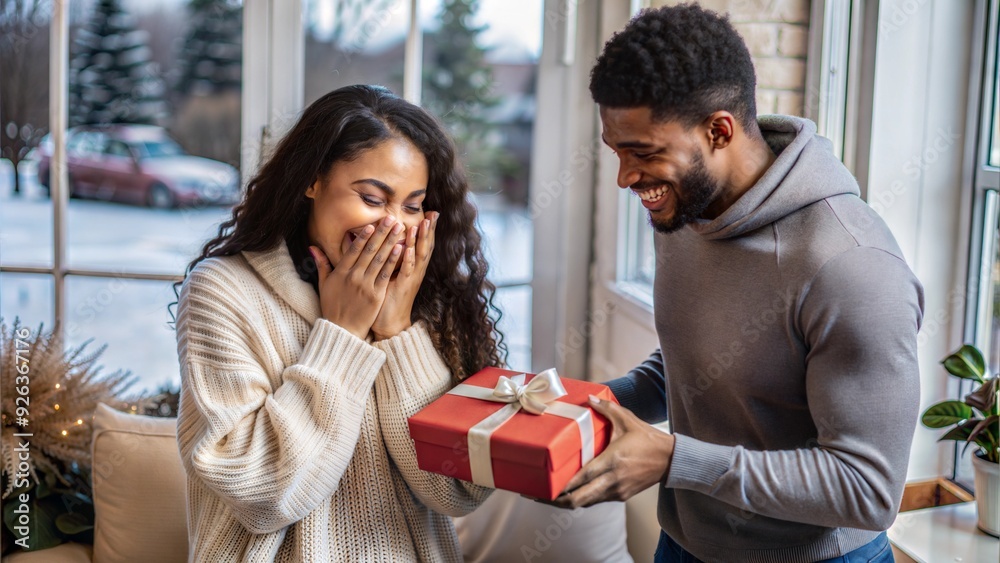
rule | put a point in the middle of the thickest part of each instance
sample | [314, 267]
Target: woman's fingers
[411, 236]
[390, 264]
[379, 255]
[425, 239]
[355, 249]
[323, 267]
[409, 262]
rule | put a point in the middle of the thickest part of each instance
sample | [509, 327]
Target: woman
[347, 292]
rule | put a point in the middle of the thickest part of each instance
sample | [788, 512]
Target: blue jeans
[875, 551]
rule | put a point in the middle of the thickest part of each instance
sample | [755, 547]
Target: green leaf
[42, 532]
[71, 523]
[977, 434]
[958, 433]
[967, 363]
[946, 413]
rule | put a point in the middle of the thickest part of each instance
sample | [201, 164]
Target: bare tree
[24, 78]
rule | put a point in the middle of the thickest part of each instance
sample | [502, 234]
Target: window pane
[963, 469]
[28, 297]
[483, 88]
[645, 260]
[25, 211]
[167, 74]
[515, 303]
[480, 62]
[507, 239]
[353, 42]
[131, 317]
[138, 239]
[639, 265]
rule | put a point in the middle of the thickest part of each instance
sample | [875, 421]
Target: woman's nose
[401, 217]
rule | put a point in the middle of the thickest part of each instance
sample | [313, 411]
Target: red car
[140, 164]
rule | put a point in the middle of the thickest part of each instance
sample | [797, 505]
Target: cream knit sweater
[293, 431]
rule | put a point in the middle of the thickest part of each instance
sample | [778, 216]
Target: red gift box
[531, 454]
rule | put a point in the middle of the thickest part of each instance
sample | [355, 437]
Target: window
[477, 65]
[778, 44]
[984, 270]
[152, 166]
[637, 265]
[100, 254]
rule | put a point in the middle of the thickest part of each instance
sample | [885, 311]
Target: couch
[140, 511]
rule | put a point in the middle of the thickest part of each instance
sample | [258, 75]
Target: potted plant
[46, 407]
[976, 420]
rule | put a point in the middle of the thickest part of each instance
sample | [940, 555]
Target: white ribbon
[537, 397]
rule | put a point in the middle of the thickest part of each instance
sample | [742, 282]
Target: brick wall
[777, 34]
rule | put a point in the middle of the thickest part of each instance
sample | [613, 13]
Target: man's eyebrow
[628, 144]
[386, 188]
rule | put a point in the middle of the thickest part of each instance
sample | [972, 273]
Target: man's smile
[651, 195]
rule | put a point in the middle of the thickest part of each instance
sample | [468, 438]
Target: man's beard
[699, 190]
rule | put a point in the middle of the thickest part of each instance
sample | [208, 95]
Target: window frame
[837, 76]
[272, 98]
[984, 181]
[59, 270]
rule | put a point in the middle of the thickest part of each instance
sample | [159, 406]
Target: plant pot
[987, 476]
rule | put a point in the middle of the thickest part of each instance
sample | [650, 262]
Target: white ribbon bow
[537, 397]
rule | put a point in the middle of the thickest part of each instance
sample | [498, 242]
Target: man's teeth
[652, 195]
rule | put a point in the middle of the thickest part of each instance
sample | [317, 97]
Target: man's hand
[637, 457]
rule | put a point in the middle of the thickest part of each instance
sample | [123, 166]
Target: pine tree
[112, 79]
[212, 53]
[24, 97]
[458, 88]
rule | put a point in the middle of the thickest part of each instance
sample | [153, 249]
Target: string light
[58, 385]
[79, 421]
[56, 406]
[64, 433]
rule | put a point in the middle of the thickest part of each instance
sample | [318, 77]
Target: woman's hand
[395, 315]
[351, 295]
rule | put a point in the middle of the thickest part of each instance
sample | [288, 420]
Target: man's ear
[720, 128]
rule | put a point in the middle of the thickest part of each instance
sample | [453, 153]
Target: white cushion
[509, 527]
[139, 489]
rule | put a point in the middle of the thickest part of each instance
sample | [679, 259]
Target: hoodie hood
[806, 171]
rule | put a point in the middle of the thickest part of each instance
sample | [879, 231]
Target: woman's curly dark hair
[683, 62]
[455, 299]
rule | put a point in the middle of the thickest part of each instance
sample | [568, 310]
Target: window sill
[941, 533]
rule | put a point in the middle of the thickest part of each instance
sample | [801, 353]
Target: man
[786, 315]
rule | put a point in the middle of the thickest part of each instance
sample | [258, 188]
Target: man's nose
[627, 174]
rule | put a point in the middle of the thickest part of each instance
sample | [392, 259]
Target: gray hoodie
[788, 331]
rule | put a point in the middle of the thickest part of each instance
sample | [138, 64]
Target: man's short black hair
[683, 62]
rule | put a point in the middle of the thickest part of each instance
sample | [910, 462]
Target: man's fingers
[600, 489]
[620, 417]
[597, 467]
